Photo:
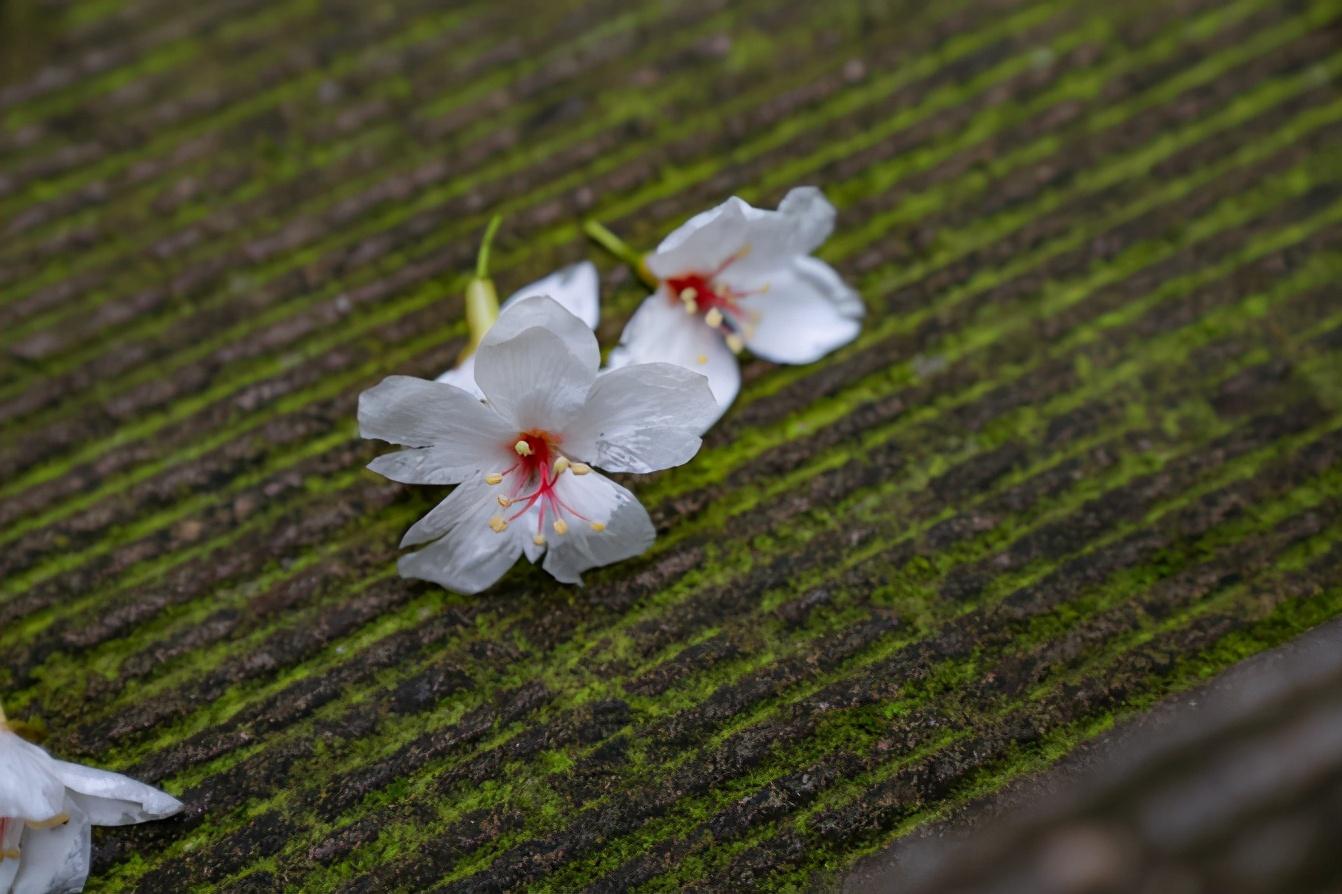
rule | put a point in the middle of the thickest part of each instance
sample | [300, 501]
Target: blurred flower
[523, 457]
[46, 809]
[738, 277]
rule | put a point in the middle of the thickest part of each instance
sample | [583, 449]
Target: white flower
[523, 457]
[576, 288]
[46, 809]
[740, 277]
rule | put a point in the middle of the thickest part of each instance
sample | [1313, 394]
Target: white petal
[469, 556]
[777, 238]
[29, 786]
[55, 860]
[110, 799]
[471, 503]
[704, 242]
[642, 418]
[419, 413]
[465, 563]
[471, 506]
[533, 379]
[762, 240]
[576, 288]
[628, 530]
[463, 376]
[807, 312]
[661, 332]
[444, 465]
[528, 525]
[540, 312]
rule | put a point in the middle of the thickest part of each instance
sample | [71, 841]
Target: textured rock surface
[1085, 454]
[1233, 787]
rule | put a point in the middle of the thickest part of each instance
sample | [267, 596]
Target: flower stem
[602, 236]
[486, 242]
[30, 732]
[482, 301]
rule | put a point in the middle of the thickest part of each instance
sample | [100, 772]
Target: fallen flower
[576, 288]
[736, 278]
[47, 807]
[523, 458]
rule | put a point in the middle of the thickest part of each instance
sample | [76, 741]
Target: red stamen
[701, 292]
[535, 450]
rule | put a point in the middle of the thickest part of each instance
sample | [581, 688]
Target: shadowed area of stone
[1085, 454]
[1235, 787]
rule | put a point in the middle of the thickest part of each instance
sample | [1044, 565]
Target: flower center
[537, 470]
[718, 303]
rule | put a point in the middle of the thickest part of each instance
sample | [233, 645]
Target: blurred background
[1084, 459]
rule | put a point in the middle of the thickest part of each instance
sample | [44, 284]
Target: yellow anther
[691, 307]
[498, 524]
[561, 526]
[560, 465]
[735, 344]
[539, 540]
[493, 478]
[505, 502]
[522, 448]
[581, 468]
[59, 819]
[713, 317]
[11, 854]
[701, 359]
[688, 294]
[598, 526]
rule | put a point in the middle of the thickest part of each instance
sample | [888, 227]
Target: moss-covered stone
[1084, 454]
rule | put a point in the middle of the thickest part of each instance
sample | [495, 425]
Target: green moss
[297, 400]
[764, 658]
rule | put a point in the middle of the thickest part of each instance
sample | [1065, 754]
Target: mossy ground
[1084, 454]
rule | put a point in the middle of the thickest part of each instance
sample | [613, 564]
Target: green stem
[482, 301]
[486, 242]
[599, 234]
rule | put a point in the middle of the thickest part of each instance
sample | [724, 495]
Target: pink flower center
[700, 293]
[539, 466]
[718, 303]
